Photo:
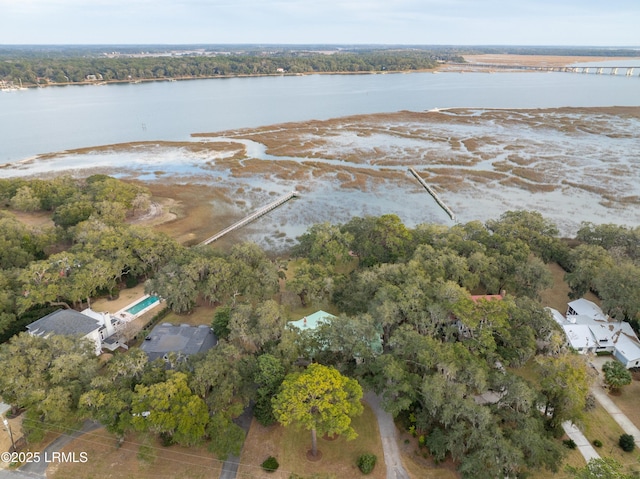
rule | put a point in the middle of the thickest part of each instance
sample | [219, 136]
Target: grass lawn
[418, 463]
[597, 424]
[290, 448]
[139, 457]
[557, 297]
[201, 314]
[628, 399]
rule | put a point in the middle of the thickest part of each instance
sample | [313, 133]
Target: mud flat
[571, 164]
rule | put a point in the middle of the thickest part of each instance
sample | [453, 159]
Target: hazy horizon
[307, 22]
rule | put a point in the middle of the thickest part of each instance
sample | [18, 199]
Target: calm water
[58, 118]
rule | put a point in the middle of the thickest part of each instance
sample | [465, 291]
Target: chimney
[106, 320]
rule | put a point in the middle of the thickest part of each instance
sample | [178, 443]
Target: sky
[406, 22]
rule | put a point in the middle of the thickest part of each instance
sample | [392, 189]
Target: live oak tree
[320, 400]
[564, 382]
[171, 409]
[223, 378]
[46, 377]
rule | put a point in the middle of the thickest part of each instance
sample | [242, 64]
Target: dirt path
[395, 469]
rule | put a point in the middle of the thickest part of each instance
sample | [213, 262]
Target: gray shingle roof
[64, 321]
[184, 339]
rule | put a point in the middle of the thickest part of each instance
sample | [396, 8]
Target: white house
[589, 330]
[627, 351]
[67, 322]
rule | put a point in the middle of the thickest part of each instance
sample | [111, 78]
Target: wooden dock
[253, 216]
[433, 194]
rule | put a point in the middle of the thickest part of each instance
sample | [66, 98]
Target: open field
[137, 458]
[290, 448]
[539, 60]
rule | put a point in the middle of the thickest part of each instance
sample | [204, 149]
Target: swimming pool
[142, 305]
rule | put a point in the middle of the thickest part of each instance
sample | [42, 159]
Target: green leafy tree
[565, 382]
[531, 227]
[46, 376]
[220, 323]
[586, 263]
[25, 200]
[378, 240]
[268, 376]
[319, 399]
[70, 214]
[257, 329]
[313, 283]
[619, 288]
[170, 408]
[225, 437]
[616, 375]
[325, 244]
[18, 245]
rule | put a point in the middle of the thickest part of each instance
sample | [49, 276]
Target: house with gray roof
[68, 322]
[183, 340]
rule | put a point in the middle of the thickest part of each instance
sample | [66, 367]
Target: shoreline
[473, 61]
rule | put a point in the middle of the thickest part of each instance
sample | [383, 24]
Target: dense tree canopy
[406, 325]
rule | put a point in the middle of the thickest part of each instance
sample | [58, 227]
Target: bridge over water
[592, 69]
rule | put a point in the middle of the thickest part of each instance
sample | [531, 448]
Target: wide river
[52, 119]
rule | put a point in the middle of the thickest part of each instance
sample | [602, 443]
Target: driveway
[602, 396]
[392, 458]
[584, 446]
[38, 469]
[230, 466]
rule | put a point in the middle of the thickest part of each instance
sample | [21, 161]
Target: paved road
[230, 466]
[38, 469]
[395, 469]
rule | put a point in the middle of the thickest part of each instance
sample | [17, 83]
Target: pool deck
[125, 315]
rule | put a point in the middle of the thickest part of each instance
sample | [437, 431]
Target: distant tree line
[56, 69]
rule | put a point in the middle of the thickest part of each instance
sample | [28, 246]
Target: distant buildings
[589, 330]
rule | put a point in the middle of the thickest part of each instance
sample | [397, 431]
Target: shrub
[570, 443]
[270, 464]
[627, 442]
[597, 442]
[166, 439]
[366, 463]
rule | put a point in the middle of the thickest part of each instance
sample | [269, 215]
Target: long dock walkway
[253, 216]
[433, 193]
